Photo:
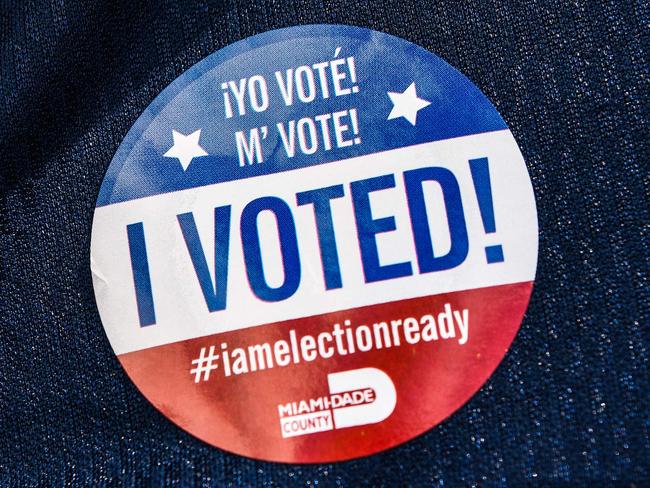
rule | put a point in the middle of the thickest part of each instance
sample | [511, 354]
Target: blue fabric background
[569, 404]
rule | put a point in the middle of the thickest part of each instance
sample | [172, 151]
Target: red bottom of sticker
[335, 386]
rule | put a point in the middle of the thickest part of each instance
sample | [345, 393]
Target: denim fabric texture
[570, 403]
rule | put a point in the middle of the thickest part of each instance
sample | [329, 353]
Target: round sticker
[315, 244]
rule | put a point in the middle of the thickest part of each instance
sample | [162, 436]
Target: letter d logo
[357, 379]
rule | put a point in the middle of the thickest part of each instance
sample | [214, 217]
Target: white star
[406, 104]
[185, 148]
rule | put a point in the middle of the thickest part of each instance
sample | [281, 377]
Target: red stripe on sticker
[334, 386]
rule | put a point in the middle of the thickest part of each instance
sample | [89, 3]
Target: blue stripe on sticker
[289, 99]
